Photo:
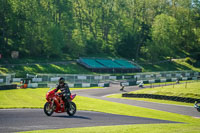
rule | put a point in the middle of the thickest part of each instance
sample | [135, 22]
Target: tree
[165, 36]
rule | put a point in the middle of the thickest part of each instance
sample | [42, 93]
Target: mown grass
[141, 128]
[26, 98]
[186, 89]
[191, 90]
[35, 98]
[175, 65]
[22, 70]
[74, 68]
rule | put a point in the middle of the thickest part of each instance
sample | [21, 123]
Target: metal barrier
[6, 79]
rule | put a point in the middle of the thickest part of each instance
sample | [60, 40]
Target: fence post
[186, 84]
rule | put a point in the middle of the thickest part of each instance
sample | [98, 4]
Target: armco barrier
[7, 87]
[78, 85]
[162, 97]
[132, 83]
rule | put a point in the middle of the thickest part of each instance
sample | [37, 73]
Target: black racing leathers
[66, 93]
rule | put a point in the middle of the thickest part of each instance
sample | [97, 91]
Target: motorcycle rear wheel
[47, 109]
[72, 109]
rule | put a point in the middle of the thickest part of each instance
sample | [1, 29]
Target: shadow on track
[75, 117]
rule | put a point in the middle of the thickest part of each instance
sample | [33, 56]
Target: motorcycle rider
[141, 84]
[64, 88]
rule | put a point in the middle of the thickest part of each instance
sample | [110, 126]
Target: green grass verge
[167, 83]
[142, 128]
[152, 100]
[191, 90]
[35, 98]
[26, 98]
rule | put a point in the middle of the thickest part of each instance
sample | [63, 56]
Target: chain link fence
[6, 79]
[149, 77]
[69, 78]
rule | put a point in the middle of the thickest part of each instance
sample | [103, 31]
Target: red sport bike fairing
[56, 104]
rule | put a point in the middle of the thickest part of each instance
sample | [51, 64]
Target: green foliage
[127, 46]
[93, 46]
[165, 36]
[76, 28]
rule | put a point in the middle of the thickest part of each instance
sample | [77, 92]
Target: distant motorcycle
[141, 84]
[197, 106]
[56, 104]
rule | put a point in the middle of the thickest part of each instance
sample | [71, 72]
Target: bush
[190, 60]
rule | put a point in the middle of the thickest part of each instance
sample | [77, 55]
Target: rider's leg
[65, 99]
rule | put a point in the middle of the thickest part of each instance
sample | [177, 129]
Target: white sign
[16, 79]
[194, 78]
[196, 73]
[55, 79]
[85, 84]
[178, 75]
[37, 79]
[174, 79]
[148, 76]
[33, 85]
[159, 75]
[184, 78]
[1, 80]
[112, 77]
[82, 77]
[127, 77]
[187, 74]
[97, 77]
[163, 80]
[138, 82]
[168, 75]
[125, 84]
[137, 76]
[100, 84]
[151, 81]
[51, 85]
[71, 85]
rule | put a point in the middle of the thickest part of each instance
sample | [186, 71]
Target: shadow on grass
[167, 66]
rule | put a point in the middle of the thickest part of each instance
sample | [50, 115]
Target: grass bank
[73, 68]
[22, 70]
[174, 65]
[191, 90]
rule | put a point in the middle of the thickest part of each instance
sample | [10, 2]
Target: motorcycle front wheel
[72, 109]
[48, 110]
[197, 106]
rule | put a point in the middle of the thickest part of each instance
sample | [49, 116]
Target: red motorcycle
[56, 104]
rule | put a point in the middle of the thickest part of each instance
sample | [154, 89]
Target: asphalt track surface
[15, 120]
[114, 89]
